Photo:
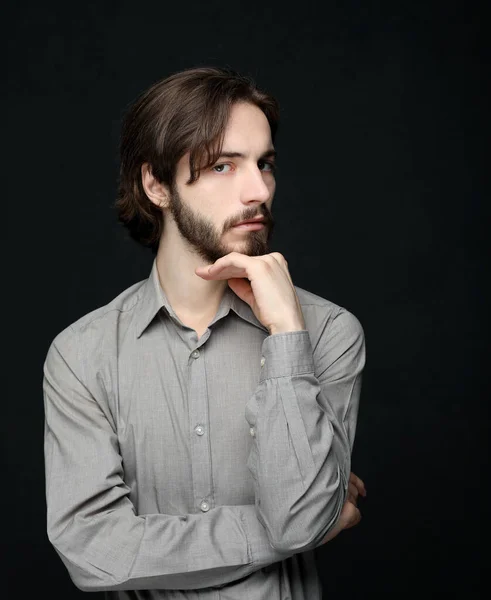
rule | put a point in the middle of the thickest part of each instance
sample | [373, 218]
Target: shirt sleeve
[92, 522]
[303, 418]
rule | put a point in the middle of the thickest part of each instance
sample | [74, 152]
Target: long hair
[186, 112]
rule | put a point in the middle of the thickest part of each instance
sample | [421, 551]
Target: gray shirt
[179, 468]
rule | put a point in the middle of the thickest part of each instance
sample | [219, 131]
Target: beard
[205, 240]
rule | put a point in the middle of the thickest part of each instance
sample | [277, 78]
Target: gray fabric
[206, 469]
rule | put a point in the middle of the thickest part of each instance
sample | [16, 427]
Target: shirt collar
[153, 298]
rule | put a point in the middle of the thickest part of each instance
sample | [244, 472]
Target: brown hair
[186, 112]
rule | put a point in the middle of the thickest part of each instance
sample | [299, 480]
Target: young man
[199, 427]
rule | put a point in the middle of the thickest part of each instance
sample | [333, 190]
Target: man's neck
[189, 295]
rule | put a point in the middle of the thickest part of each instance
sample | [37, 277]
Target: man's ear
[157, 192]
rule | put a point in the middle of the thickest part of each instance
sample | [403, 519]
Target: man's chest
[181, 426]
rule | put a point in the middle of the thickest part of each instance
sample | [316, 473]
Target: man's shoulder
[92, 327]
[308, 298]
[322, 314]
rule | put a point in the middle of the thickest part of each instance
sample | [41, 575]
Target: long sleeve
[91, 521]
[303, 419]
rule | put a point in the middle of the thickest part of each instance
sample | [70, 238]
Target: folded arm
[91, 521]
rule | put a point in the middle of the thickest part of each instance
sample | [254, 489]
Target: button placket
[199, 442]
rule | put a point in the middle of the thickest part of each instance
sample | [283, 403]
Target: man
[199, 426]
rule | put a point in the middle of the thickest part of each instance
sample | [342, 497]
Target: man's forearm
[300, 457]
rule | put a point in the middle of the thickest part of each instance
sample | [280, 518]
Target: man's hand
[263, 282]
[355, 487]
[350, 514]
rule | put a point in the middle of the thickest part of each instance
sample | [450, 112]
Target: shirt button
[195, 354]
[204, 506]
[199, 430]
[252, 431]
[263, 360]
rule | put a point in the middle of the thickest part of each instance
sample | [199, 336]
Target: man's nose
[255, 187]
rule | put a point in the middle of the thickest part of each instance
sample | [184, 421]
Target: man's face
[234, 189]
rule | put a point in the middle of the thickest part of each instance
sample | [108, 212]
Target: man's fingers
[351, 498]
[355, 520]
[353, 490]
[356, 481]
[351, 515]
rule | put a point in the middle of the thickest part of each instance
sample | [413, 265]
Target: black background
[379, 208]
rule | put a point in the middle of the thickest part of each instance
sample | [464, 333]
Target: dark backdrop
[379, 208]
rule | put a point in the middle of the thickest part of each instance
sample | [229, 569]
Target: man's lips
[250, 226]
[254, 221]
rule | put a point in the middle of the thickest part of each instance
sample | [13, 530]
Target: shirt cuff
[286, 354]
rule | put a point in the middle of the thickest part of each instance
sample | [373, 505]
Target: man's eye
[268, 166]
[221, 168]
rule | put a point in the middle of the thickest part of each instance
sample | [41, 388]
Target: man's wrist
[287, 328]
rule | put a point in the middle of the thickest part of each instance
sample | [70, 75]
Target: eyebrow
[271, 153]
